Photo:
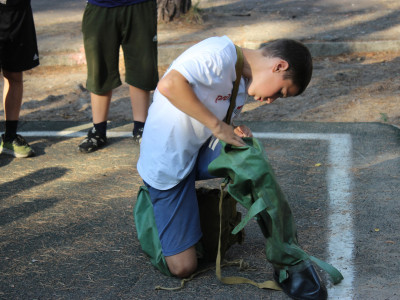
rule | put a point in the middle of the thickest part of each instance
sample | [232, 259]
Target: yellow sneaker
[17, 147]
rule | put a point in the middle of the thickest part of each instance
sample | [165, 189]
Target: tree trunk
[171, 9]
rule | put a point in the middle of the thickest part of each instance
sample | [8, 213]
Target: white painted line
[72, 133]
[340, 222]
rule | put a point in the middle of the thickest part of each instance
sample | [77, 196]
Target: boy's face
[269, 85]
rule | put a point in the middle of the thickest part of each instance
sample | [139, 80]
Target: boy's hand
[243, 131]
[226, 133]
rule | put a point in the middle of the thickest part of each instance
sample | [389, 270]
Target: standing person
[189, 106]
[18, 53]
[107, 25]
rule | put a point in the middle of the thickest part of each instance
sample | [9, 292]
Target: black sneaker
[137, 136]
[92, 142]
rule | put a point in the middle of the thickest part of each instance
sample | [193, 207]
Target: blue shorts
[176, 210]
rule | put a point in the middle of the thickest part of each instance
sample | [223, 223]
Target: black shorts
[105, 30]
[18, 45]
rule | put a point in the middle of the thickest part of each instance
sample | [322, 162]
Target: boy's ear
[281, 65]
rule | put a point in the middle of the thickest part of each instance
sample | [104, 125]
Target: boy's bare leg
[182, 264]
[96, 137]
[11, 143]
[140, 101]
[12, 95]
[100, 106]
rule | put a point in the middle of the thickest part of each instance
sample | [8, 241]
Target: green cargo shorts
[105, 30]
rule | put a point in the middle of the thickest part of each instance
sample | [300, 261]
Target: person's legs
[100, 106]
[97, 136]
[183, 264]
[12, 143]
[101, 38]
[12, 95]
[177, 218]
[139, 44]
[140, 100]
[179, 206]
[18, 53]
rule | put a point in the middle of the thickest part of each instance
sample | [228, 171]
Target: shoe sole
[81, 150]
[85, 151]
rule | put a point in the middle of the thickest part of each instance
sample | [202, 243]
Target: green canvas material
[254, 185]
[147, 230]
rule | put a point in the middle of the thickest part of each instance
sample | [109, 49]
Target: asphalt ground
[67, 228]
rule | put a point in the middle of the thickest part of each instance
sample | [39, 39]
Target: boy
[189, 106]
[18, 53]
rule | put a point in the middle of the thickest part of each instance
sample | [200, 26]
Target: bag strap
[269, 284]
[239, 69]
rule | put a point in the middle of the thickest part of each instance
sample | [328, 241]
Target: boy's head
[296, 55]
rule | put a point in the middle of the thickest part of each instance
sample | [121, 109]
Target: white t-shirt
[171, 138]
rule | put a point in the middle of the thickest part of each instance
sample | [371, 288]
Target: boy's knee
[182, 270]
[182, 264]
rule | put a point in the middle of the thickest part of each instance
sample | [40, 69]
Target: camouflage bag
[210, 219]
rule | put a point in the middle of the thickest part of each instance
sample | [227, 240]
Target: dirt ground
[361, 87]
[351, 88]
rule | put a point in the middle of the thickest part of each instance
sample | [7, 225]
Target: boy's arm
[178, 91]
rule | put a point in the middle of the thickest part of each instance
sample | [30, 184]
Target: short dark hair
[298, 57]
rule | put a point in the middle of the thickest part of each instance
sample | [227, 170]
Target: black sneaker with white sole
[92, 142]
